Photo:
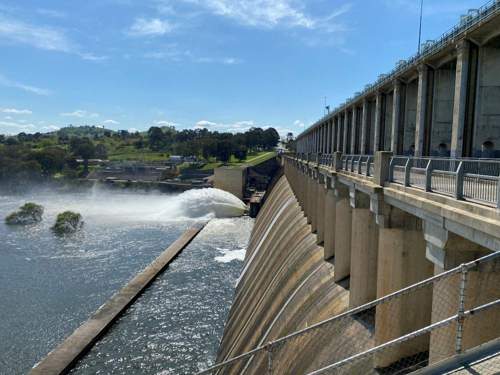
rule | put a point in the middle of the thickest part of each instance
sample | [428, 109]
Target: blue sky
[222, 64]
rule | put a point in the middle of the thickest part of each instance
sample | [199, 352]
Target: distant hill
[83, 131]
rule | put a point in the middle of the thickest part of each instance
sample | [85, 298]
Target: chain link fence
[409, 329]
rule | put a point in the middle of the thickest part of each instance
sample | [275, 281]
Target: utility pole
[420, 25]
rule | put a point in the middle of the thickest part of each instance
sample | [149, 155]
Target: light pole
[420, 25]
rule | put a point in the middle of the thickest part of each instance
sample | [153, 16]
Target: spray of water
[100, 205]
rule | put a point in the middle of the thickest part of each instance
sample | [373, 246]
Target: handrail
[352, 312]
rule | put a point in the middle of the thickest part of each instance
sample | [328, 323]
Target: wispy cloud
[271, 13]
[150, 27]
[16, 111]
[19, 127]
[235, 127]
[45, 38]
[80, 113]
[224, 60]
[110, 122]
[4, 81]
[51, 13]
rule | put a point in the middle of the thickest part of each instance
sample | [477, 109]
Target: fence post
[269, 359]
[359, 165]
[428, 176]
[461, 309]
[459, 182]
[498, 191]
[408, 165]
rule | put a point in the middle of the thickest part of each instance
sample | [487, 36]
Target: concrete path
[62, 359]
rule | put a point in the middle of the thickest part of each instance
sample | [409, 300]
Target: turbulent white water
[209, 202]
[51, 284]
[104, 205]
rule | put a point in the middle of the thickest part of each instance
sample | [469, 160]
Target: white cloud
[16, 111]
[8, 117]
[51, 13]
[165, 123]
[80, 113]
[111, 122]
[21, 86]
[212, 60]
[133, 130]
[271, 13]
[17, 126]
[50, 128]
[299, 124]
[235, 127]
[41, 37]
[150, 27]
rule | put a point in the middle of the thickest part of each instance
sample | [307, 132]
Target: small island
[29, 213]
[67, 222]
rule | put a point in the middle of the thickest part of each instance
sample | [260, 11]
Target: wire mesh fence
[408, 329]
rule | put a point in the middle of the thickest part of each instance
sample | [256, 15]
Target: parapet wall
[286, 285]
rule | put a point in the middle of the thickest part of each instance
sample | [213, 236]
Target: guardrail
[361, 345]
[485, 12]
[476, 180]
[359, 164]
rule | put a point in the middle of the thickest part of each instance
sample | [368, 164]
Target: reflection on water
[175, 327]
[49, 285]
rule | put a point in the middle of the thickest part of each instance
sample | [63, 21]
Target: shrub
[67, 222]
[29, 213]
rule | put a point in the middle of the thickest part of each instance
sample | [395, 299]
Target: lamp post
[420, 25]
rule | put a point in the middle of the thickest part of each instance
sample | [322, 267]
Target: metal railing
[380, 335]
[477, 180]
[359, 164]
[485, 12]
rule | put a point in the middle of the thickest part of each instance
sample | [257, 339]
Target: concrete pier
[343, 225]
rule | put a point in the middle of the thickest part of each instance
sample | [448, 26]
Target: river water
[49, 285]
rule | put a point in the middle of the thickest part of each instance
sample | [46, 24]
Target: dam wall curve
[286, 285]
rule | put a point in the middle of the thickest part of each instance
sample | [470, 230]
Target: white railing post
[428, 176]
[498, 193]
[459, 181]
[391, 170]
[461, 309]
[408, 166]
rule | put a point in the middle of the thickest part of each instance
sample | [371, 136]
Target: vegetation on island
[29, 213]
[29, 158]
[67, 222]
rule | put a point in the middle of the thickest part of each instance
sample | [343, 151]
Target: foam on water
[230, 255]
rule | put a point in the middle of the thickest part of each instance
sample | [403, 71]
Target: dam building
[377, 249]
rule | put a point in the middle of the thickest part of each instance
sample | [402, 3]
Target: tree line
[33, 157]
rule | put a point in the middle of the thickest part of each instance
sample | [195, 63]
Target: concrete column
[378, 119]
[320, 208]
[448, 250]
[339, 130]
[346, 132]
[354, 121]
[330, 215]
[421, 109]
[334, 134]
[402, 262]
[329, 137]
[364, 127]
[314, 202]
[364, 251]
[342, 234]
[396, 117]
[460, 100]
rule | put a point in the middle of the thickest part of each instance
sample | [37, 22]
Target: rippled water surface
[49, 285]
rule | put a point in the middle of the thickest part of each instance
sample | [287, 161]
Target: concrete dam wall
[286, 285]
